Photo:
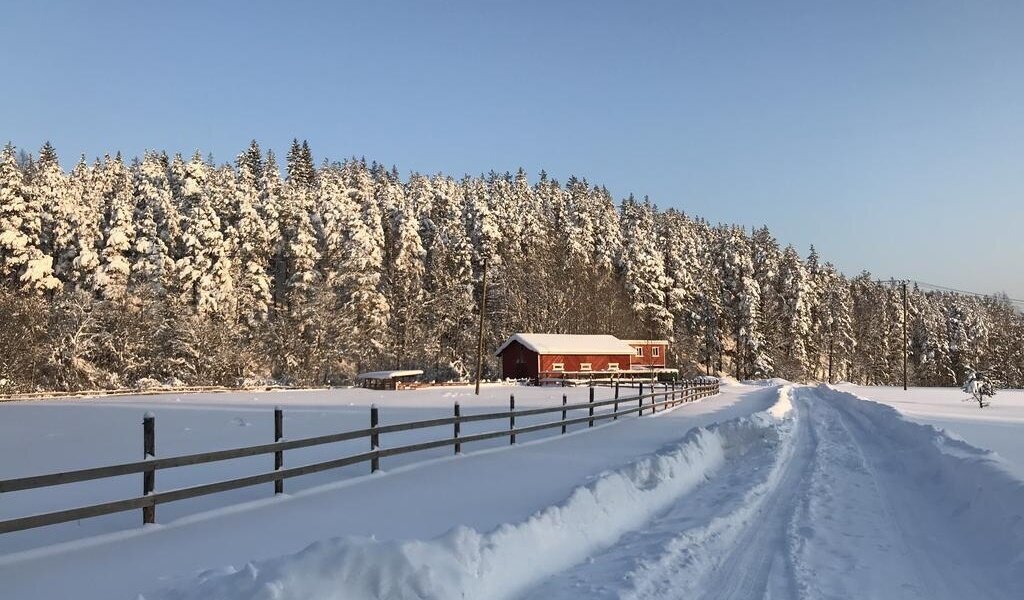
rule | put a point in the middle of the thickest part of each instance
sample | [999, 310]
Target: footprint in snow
[241, 422]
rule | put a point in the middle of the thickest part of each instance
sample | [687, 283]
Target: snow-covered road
[846, 501]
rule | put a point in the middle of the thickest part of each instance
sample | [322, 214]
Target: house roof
[559, 343]
[647, 342]
[389, 374]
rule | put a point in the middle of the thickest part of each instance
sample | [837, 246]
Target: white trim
[638, 352]
[655, 351]
[557, 366]
[586, 366]
[613, 366]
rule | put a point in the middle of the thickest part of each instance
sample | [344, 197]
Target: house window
[558, 366]
[585, 366]
[613, 366]
[639, 350]
[655, 351]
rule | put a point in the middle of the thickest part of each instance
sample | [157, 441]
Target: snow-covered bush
[980, 387]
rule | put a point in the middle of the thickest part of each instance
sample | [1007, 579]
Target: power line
[960, 291]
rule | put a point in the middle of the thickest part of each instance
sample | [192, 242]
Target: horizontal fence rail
[648, 399]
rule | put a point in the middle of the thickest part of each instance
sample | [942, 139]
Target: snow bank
[502, 563]
[689, 558]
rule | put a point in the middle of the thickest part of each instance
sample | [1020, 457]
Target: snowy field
[49, 436]
[999, 427]
[763, 491]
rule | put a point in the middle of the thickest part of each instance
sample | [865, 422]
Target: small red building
[648, 354]
[539, 355]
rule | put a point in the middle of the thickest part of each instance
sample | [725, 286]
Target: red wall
[598, 362]
[518, 362]
[647, 359]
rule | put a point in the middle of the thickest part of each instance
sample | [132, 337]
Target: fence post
[615, 407]
[279, 455]
[512, 419]
[374, 439]
[641, 400]
[148, 477]
[458, 428]
[564, 412]
[590, 423]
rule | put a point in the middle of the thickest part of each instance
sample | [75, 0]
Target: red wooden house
[541, 355]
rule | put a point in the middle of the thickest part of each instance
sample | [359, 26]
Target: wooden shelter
[389, 380]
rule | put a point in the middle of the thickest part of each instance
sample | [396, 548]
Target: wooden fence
[646, 400]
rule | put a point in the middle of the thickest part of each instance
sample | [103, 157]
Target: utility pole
[905, 335]
[480, 335]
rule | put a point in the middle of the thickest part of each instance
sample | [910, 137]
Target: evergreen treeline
[179, 270]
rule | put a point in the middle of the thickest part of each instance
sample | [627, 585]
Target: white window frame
[655, 351]
[613, 366]
[586, 366]
[640, 351]
[558, 366]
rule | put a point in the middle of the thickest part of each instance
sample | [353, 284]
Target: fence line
[672, 394]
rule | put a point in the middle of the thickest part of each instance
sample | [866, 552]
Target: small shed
[389, 380]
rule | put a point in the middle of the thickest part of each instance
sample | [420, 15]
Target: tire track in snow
[659, 562]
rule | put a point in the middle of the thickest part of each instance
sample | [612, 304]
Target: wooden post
[590, 423]
[615, 407]
[905, 336]
[512, 419]
[641, 400]
[148, 477]
[458, 446]
[480, 335]
[279, 455]
[563, 412]
[616, 389]
[374, 438]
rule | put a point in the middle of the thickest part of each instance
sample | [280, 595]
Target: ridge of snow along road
[501, 563]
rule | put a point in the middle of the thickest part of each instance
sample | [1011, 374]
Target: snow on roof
[648, 342]
[389, 374]
[559, 343]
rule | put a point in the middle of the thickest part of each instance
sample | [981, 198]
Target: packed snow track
[823, 495]
[846, 501]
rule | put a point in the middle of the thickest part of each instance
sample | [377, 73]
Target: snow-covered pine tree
[114, 181]
[979, 386]
[449, 283]
[82, 257]
[23, 264]
[794, 315]
[204, 266]
[643, 268]
[252, 247]
[405, 285]
[156, 228]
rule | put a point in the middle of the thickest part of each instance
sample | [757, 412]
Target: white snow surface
[769, 490]
[564, 343]
[389, 374]
[998, 427]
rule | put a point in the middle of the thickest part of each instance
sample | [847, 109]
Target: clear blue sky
[889, 134]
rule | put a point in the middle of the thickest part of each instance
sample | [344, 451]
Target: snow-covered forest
[176, 269]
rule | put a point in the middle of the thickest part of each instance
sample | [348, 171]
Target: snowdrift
[502, 563]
